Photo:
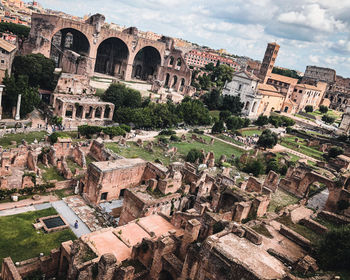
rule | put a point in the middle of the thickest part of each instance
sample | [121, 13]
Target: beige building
[7, 54]
[306, 95]
[271, 99]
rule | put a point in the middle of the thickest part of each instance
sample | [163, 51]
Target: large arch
[146, 63]
[112, 57]
[68, 39]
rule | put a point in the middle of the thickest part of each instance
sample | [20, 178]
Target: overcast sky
[310, 32]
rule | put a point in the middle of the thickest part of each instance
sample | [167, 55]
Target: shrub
[323, 109]
[308, 109]
[127, 128]
[175, 138]
[88, 130]
[114, 131]
[224, 115]
[193, 155]
[167, 132]
[55, 135]
[218, 127]
[255, 166]
[334, 152]
[163, 139]
[328, 119]
[198, 131]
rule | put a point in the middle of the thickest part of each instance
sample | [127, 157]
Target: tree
[334, 152]
[262, 120]
[193, 112]
[286, 72]
[234, 123]
[333, 251]
[193, 155]
[14, 87]
[267, 139]
[38, 68]
[323, 109]
[213, 100]
[218, 127]
[233, 104]
[308, 109]
[221, 74]
[328, 119]
[224, 115]
[122, 96]
[254, 166]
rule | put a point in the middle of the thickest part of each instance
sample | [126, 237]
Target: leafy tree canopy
[267, 139]
[122, 96]
[38, 68]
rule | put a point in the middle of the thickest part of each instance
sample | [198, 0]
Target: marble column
[18, 108]
[1, 90]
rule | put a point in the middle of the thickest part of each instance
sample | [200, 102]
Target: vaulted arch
[112, 57]
[146, 63]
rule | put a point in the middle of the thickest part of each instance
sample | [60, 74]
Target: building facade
[244, 85]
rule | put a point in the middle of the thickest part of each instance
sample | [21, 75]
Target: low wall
[314, 226]
[334, 218]
[9, 270]
[295, 237]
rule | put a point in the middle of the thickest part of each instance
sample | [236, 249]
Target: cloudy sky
[310, 32]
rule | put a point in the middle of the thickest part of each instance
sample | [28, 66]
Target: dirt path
[230, 143]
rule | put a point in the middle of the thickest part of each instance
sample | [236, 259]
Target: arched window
[171, 61]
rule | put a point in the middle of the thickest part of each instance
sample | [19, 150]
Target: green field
[281, 199]
[5, 141]
[229, 139]
[289, 142]
[250, 132]
[21, 241]
[133, 151]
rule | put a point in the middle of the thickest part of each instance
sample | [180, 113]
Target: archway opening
[182, 85]
[68, 39]
[247, 105]
[174, 81]
[167, 78]
[112, 57]
[107, 112]
[146, 63]
[98, 113]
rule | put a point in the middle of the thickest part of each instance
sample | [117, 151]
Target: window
[239, 87]
[104, 196]
[2, 61]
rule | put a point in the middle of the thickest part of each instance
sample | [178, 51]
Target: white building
[245, 85]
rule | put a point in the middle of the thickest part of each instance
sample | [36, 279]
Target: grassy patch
[290, 143]
[20, 240]
[251, 132]
[89, 159]
[281, 199]
[63, 192]
[5, 141]
[133, 151]
[51, 173]
[262, 230]
[72, 165]
[229, 139]
[302, 230]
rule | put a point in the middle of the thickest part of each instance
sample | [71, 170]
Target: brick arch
[120, 59]
[146, 67]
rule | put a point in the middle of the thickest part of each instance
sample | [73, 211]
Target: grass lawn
[51, 173]
[72, 165]
[5, 141]
[219, 148]
[281, 199]
[304, 117]
[250, 132]
[332, 113]
[289, 142]
[229, 139]
[21, 241]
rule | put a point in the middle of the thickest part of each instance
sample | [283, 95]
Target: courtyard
[21, 241]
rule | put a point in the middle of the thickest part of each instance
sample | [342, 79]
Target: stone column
[1, 89]
[18, 108]
[83, 113]
[74, 112]
[103, 112]
[93, 113]
[110, 117]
